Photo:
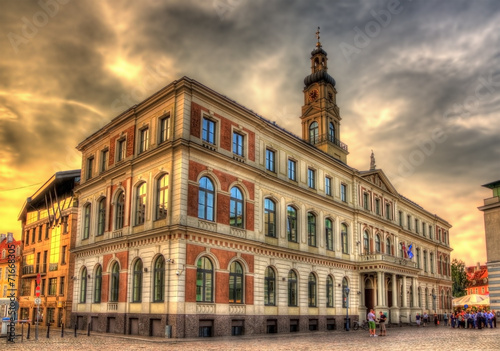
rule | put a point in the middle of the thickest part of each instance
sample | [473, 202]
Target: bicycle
[357, 325]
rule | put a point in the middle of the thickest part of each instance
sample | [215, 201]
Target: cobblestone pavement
[399, 339]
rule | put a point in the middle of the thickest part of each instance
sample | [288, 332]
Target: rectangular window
[388, 211]
[121, 149]
[423, 228]
[401, 218]
[430, 231]
[408, 221]
[45, 256]
[208, 134]
[63, 255]
[64, 221]
[42, 288]
[238, 144]
[270, 160]
[311, 178]
[90, 167]
[328, 186]
[417, 230]
[292, 166]
[144, 140]
[366, 203]
[377, 206]
[61, 286]
[104, 160]
[343, 192]
[47, 231]
[52, 286]
[164, 129]
[38, 262]
[40, 233]
[33, 235]
[27, 237]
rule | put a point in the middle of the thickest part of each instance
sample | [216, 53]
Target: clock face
[313, 95]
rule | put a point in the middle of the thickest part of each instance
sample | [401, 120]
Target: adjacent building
[491, 211]
[477, 279]
[49, 219]
[200, 217]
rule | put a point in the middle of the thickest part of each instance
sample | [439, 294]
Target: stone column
[404, 303]
[394, 291]
[380, 294]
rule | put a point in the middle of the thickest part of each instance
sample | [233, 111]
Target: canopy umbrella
[471, 300]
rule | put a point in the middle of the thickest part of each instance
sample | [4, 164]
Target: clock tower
[320, 113]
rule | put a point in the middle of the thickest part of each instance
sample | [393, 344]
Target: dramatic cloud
[418, 82]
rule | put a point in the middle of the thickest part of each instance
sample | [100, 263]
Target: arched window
[137, 282]
[98, 284]
[159, 279]
[411, 296]
[269, 287]
[162, 197]
[204, 280]
[345, 285]
[140, 204]
[311, 229]
[419, 297]
[426, 297]
[313, 133]
[312, 290]
[366, 243]
[120, 210]
[331, 132]
[83, 286]
[291, 224]
[235, 283]
[236, 208]
[431, 258]
[292, 289]
[206, 199]
[377, 244]
[343, 237]
[101, 220]
[115, 283]
[86, 221]
[270, 218]
[425, 261]
[329, 292]
[388, 247]
[329, 234]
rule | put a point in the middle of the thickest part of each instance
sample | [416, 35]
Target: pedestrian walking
[381, 321]
[418, 318]
[371, 322]
[445, 319]
[436, 320]
[426, 318]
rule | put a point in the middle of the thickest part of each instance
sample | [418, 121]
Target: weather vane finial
[317, 36]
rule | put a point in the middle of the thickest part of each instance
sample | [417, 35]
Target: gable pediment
[378, 178]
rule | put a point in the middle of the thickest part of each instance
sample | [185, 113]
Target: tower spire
[318, 44]
[372, 162]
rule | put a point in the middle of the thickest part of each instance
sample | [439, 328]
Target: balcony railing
[372, 257]
[328, 138]
[28, 269]
[52, 267]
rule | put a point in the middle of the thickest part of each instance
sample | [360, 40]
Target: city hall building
[198, 217]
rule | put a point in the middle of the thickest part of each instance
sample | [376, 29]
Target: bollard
[62, 330]
[88, 329]
[75, 329]
[48, 330]
[28, 332]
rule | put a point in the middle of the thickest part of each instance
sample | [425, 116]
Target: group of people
[473, 320]
[463, 319]
[372, 323]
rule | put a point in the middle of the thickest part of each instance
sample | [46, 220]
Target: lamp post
[346, 290]
[434, 302]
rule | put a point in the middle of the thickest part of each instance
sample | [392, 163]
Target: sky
[418, 83]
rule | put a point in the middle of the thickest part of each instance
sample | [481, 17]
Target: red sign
[38, 279]
[37, 291]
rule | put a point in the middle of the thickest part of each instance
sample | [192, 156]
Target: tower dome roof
[318, 76]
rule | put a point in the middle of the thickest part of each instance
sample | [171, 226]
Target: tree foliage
[459, 278]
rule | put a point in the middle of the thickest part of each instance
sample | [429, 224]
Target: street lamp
[434, 302]
[346, 290]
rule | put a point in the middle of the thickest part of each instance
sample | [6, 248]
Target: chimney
[2, 236]
[478, 266]
[10, 237]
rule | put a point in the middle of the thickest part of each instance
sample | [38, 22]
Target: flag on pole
[410, 254]
[404, 250]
